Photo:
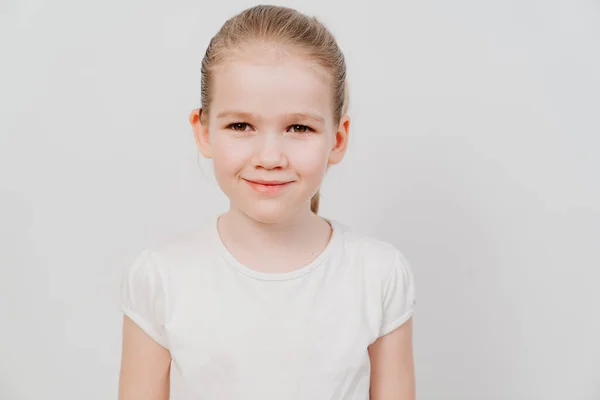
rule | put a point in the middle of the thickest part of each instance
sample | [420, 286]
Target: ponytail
[314, 202]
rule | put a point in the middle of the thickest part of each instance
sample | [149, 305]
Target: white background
[474, 149]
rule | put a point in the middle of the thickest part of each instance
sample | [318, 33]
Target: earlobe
[201, 132]
[341, 141]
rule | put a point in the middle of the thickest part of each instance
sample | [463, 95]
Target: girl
[271, 301]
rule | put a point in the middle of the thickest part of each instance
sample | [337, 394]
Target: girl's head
[274, 100]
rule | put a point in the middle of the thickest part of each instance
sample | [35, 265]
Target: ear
[200, 127]
[341, 141]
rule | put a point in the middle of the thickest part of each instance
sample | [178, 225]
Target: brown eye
[238, 126]
[300, 128]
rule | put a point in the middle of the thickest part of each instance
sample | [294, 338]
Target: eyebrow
[246, 115]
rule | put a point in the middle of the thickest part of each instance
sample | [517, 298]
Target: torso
[235, 333]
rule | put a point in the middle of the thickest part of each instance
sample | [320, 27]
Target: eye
[238, 126]
[300, 129]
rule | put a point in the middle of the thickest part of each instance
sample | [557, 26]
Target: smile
[267, 187]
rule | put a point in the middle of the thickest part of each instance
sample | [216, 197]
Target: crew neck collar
[277, 276]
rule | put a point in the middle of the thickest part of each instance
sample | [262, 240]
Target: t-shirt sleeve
[398, 296]
[143, 298]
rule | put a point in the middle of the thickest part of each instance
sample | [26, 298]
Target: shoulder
[376, 255]
[384, 276]
[181, 250]
[160, 263]
[387, 277]
[158, 270]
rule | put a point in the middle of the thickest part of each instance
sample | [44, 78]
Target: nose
[270, 154]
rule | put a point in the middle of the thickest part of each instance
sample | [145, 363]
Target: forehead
[271, 81]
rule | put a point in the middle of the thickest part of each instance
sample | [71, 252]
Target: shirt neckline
[277, 276]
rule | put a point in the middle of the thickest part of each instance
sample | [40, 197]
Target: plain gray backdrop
[474, 149]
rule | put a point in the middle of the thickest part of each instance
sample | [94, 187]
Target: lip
[267, 183]
[268, 187]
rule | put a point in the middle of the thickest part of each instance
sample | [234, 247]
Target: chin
[268, 212]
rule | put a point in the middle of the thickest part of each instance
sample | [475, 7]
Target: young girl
[271, 301]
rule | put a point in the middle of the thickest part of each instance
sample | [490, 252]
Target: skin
[392, 365]
[271, 118]
[145, 366]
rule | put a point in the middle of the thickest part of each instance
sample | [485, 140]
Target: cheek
[229, 155]
[310, 157]
[227, 160]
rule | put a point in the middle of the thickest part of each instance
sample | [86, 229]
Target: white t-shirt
[236, 333]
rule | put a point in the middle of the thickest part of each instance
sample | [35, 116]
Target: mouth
[268, 187]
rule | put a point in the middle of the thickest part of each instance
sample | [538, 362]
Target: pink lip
[268, 187]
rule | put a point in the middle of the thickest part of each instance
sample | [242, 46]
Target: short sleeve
[398, 296]
[143, 298]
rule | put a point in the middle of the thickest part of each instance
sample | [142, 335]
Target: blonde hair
[284, 26]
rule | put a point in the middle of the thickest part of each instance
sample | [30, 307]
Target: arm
[392, 366]
[145, 366]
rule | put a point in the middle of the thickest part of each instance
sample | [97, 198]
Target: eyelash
[307, 128]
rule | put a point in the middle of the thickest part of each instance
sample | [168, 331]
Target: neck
[248, 231]
[299, 238]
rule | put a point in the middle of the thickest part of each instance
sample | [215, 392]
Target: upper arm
[392, 365]
[145, 366]
[146, 360]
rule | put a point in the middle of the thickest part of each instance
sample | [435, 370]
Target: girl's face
[271, 131]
